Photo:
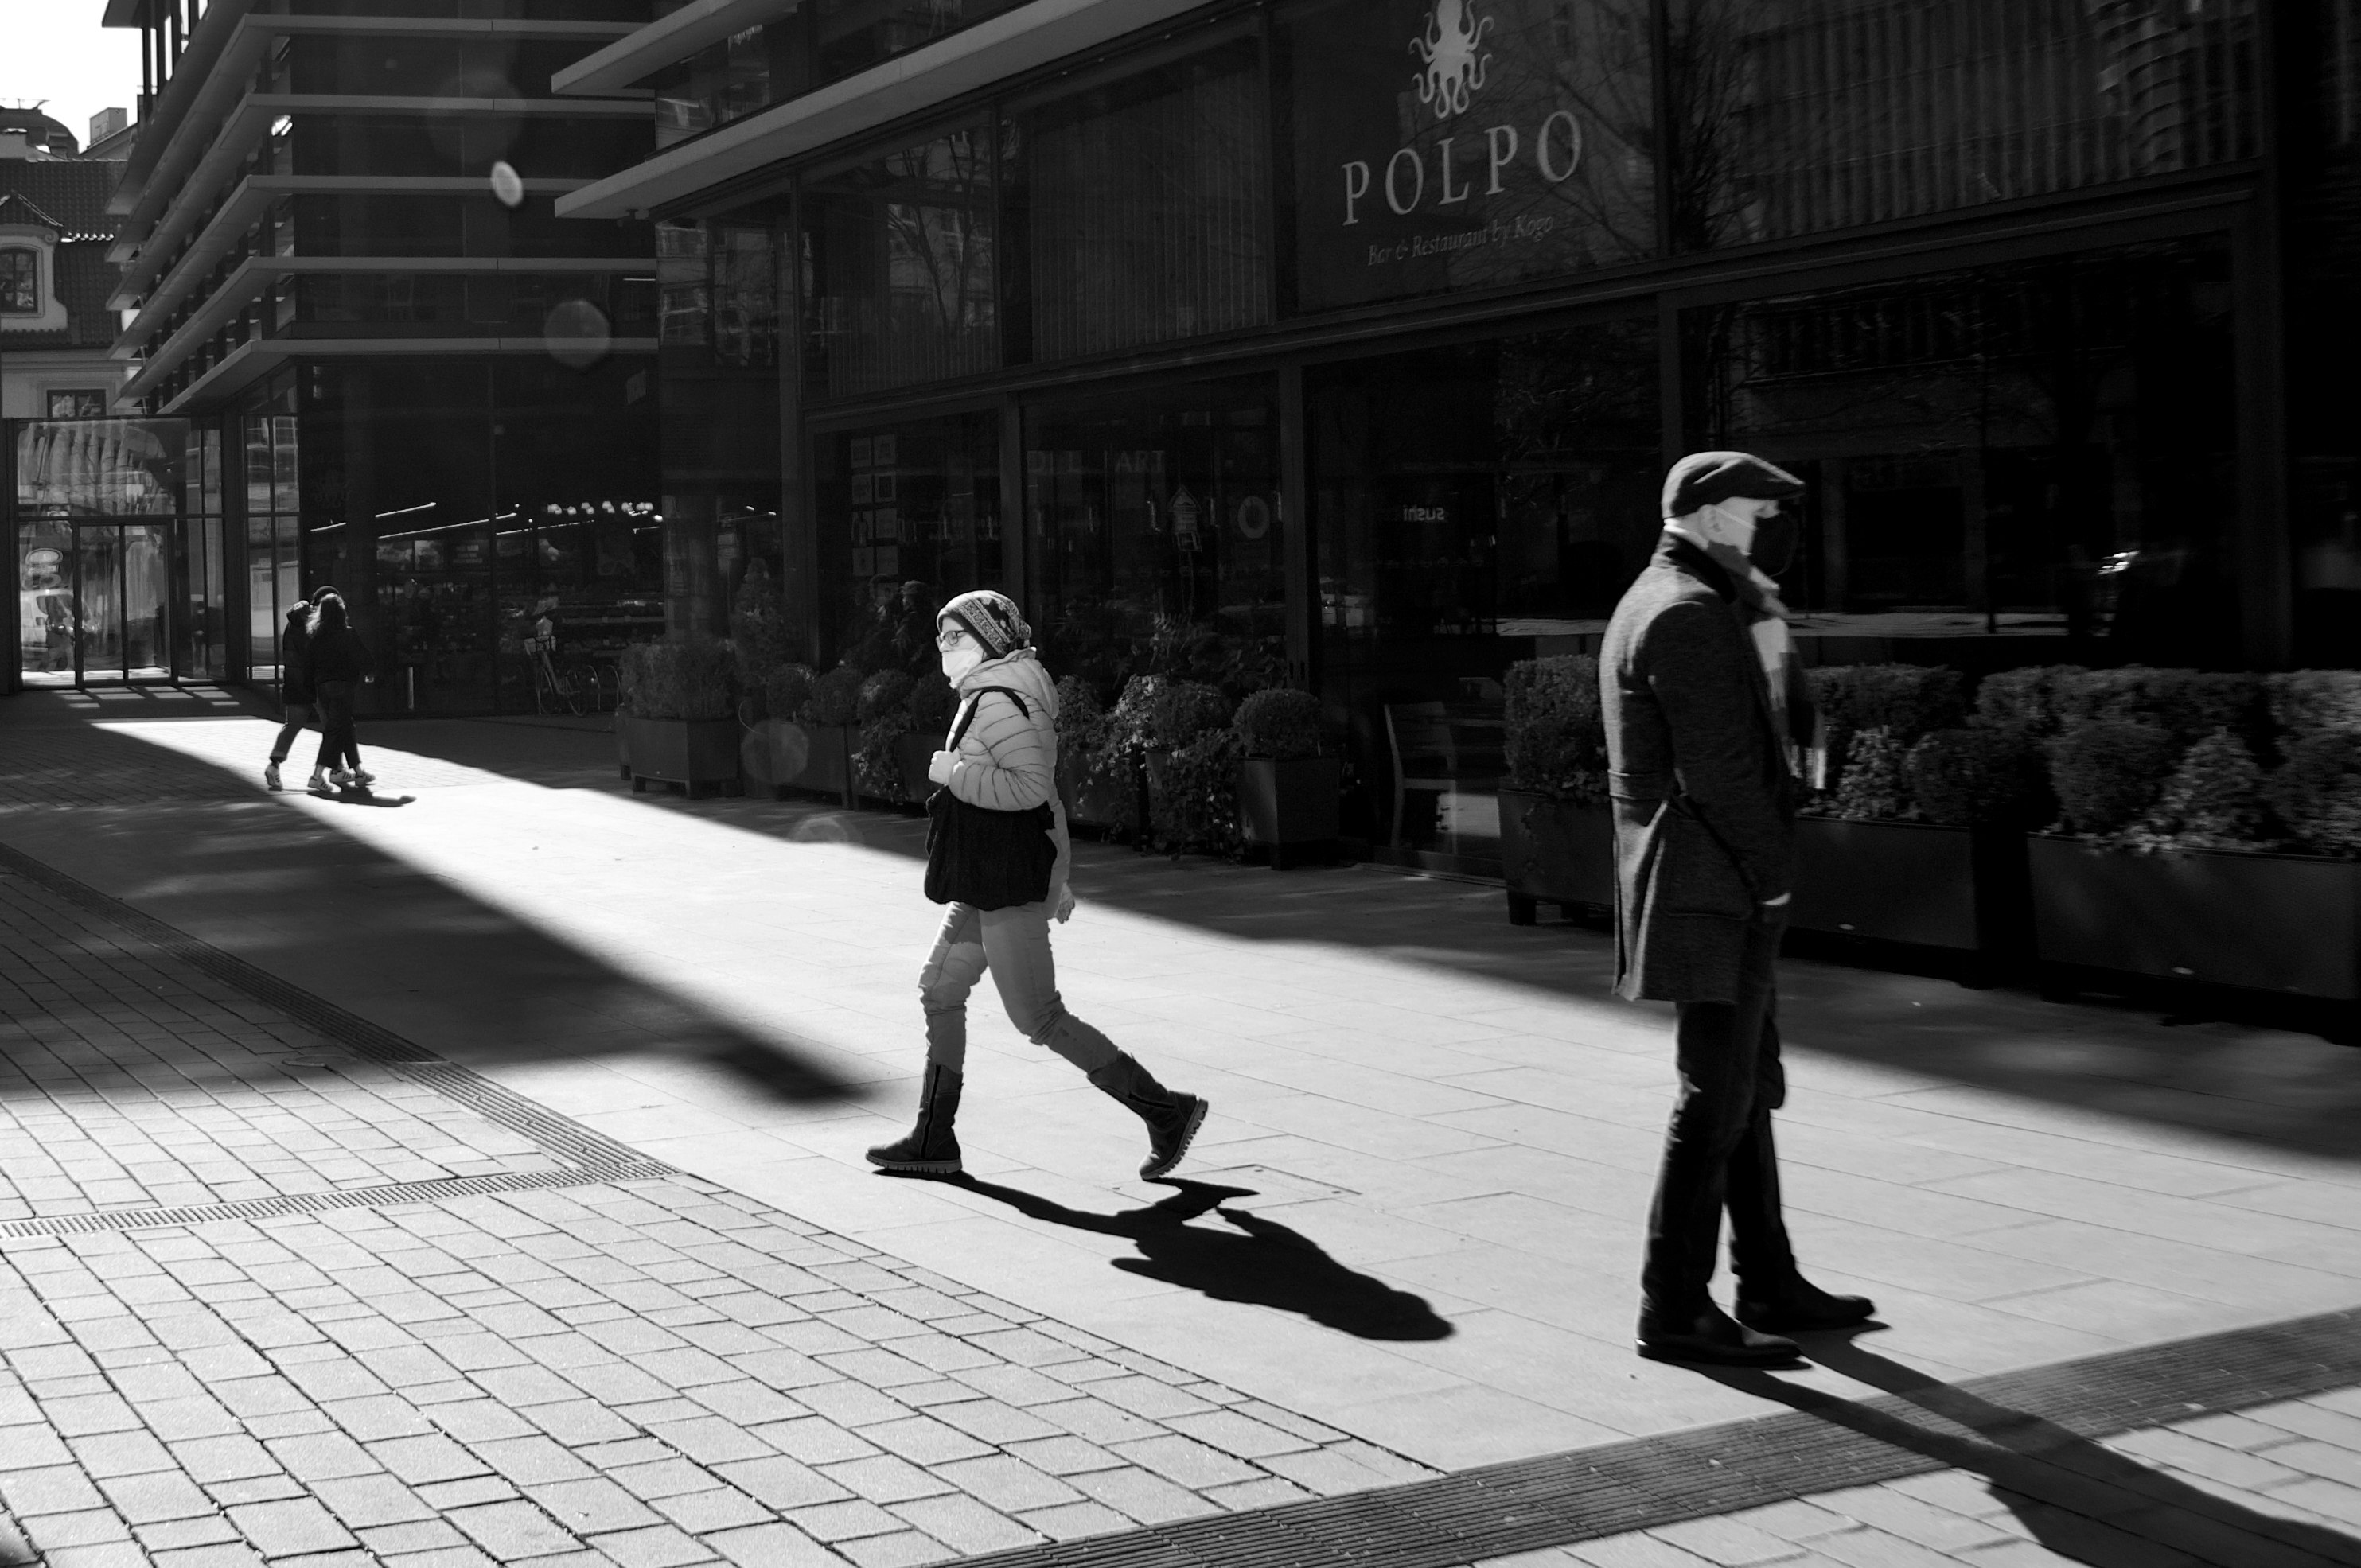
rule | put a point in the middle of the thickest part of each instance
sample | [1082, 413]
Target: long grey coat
[1703, 804]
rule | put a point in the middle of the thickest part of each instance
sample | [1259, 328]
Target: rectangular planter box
[695, 753]
[1554, 851]
[2283, 923]
[781, 753]
[1896, 881]
[913, 752]
[1288, 804]
[1102, 803]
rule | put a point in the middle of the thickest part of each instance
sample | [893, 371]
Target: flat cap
[1702, 479]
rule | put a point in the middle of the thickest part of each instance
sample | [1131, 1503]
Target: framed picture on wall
[887, 522]
[882, 451]
[860, 452]
[862, 491]
[889, 561]
[881, 487]
[864, 561]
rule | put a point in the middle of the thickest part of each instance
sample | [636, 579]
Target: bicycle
[571, 685]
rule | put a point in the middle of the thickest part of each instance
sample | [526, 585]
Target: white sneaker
[363, 776]
[338, 777]
[271, 776]
[319, 784]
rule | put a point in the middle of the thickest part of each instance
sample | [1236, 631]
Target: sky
[56, 49]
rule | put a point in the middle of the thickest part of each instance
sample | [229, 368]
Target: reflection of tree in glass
[938, 234]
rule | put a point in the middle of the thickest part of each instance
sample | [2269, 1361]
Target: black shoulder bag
[987, 858]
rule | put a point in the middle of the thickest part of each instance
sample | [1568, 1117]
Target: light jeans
[299, 714]
[1013, 944]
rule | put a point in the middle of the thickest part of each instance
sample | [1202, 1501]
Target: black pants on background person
[1718, 1151]
[338, 745]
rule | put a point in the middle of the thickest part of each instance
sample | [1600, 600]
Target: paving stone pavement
[655, 1371]
[1493, 1160]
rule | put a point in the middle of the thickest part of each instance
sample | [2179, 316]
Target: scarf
[1724, 540]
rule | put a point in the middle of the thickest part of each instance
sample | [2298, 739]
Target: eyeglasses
[951, 637]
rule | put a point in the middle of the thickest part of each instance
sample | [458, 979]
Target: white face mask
[1725, 525]
[959, 660]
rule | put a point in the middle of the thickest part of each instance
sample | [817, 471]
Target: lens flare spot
[508, 185]
[576, 334]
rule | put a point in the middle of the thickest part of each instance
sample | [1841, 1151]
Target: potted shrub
[784, 689]
[1191, 756]
[1868, 861]
[882, 711]
[676, 723]
[1111, 783]
[1557, 832]
[806, 740]
[1098, 786]
[1287, 791]
[932, 707]
[2179, 856]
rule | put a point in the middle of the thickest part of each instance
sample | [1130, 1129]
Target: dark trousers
[337, 745]
[1718, 1152]
[299, 714]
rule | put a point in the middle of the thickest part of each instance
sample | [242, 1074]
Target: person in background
[1003, 756]
[1703, 697]
[294, 690]
[335, 666]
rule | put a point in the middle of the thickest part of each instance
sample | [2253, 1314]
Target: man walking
[1702, 696]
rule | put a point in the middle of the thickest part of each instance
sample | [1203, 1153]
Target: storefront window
[1155, 535]
[898, 257]
[909, 518]
[1146, 205]
[1442, 146]
[1797, 116]
[1473, 505]
[94, 512]
[2049, 446]
[273, 476]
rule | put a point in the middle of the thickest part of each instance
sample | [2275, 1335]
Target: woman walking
[997, 773]
[294, 687]
[335, 665]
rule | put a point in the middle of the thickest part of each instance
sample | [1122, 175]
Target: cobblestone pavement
[234, 1326]
[655, 1371]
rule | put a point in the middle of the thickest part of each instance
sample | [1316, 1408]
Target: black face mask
[1775, 544]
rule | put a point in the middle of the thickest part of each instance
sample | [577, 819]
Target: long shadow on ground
[430, 962]
[2056, 1481]
[2278, 1088]
[1262, 1263]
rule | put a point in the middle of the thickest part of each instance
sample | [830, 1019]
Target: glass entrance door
[123, 586]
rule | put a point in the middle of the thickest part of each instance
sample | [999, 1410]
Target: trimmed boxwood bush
[933, 704]
[2305, 703]
[1976, 777]
[2189, 704]
[786, 689]
[2030, 701]
[2107, 772]
[835, 697]
[691, 678]
[2317, 792]
[1555, 735]
[885, 693]
[2213, 799]
[1280, 723]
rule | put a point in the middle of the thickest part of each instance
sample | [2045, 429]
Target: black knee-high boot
[931, 1148]
[1172, 1119]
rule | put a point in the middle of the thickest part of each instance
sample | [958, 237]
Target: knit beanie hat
[992, 619]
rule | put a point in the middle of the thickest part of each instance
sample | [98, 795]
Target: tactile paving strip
[590, 1155]
[1986, 1423]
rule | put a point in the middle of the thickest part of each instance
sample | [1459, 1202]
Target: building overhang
[631, 61]
[253, 278]
[247, 203]
[249, 363]
[968, 60]
[222, 55]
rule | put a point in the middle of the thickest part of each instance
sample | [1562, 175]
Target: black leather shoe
[1801, 1307]
[1712, 1337]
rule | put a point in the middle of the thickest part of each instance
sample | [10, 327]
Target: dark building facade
[382, 360]
[1342, 341]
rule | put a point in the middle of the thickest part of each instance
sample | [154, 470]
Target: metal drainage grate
[2015, 1427]
[438, 1189]
[594, 1156]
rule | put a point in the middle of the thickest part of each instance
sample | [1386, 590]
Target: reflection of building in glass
[338, 252]
[1344, 342]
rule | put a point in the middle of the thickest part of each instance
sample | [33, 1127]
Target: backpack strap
[975, 700]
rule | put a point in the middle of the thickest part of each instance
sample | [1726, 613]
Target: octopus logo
[1449, 49]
